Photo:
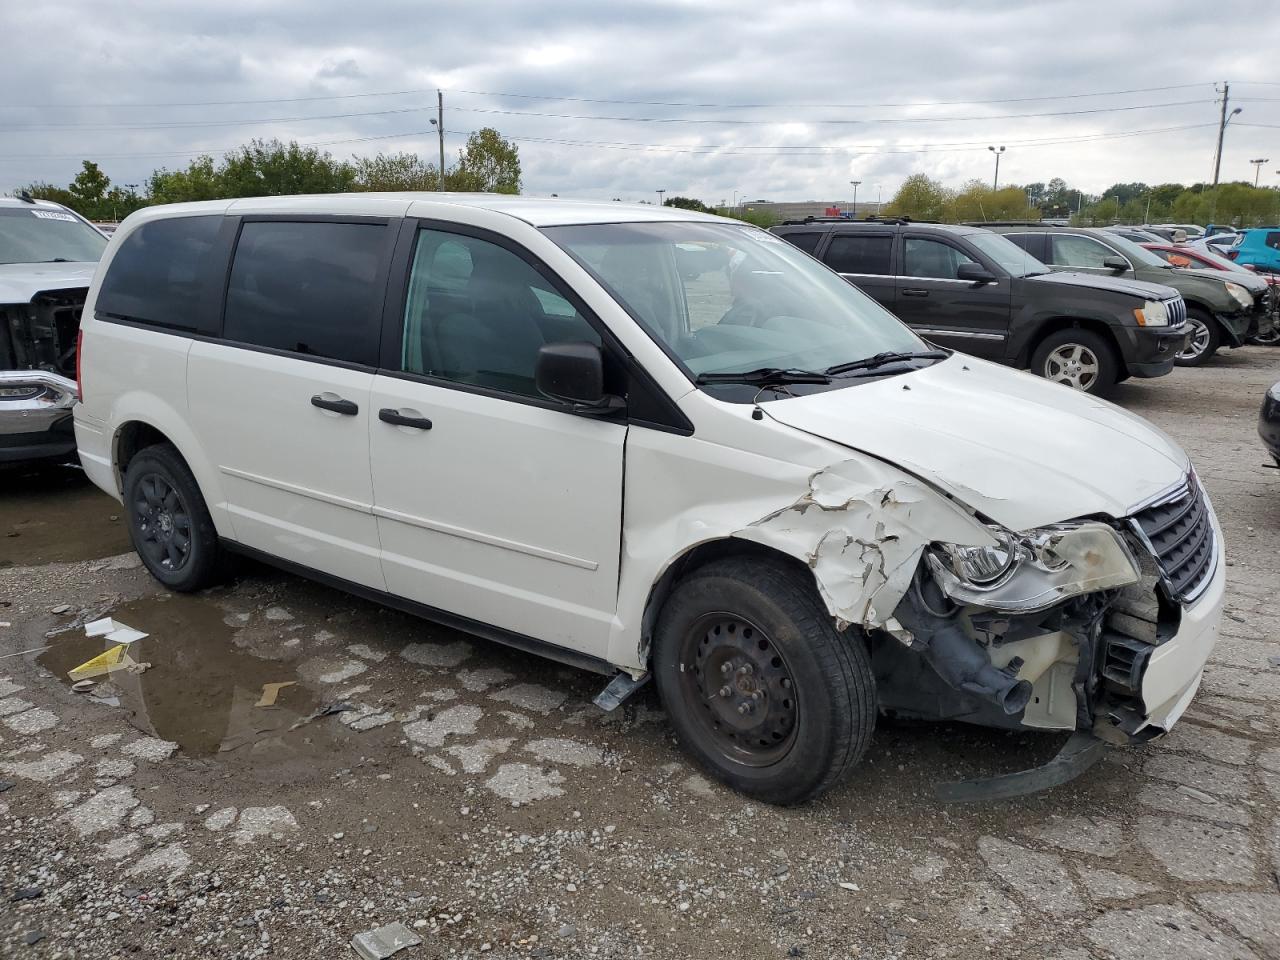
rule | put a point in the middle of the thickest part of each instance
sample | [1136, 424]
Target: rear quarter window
[806, 241]
[162, 274]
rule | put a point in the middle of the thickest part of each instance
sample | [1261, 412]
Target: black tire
[169, 522]
[788, 749]
[1077, 358]
[1203, 340]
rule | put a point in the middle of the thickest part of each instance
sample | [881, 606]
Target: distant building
[799, 209]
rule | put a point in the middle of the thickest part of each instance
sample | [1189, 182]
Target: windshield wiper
[880, 359]
[57, 260]
[764, 376]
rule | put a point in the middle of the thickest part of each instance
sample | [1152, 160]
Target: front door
[865, 260]
[955, 313]
[493, 502]
[282, 401]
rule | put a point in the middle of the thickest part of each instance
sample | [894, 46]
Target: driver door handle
[347, 408]
[914, 292]
[396, 418]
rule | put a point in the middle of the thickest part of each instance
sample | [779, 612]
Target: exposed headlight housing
[1240, 295]
[1153, 313]
[1034, 570]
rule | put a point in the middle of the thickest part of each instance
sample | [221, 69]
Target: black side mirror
[574, 373]
[1118, 264]
[974, 273]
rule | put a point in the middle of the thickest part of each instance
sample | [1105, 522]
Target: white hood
[19, 282]
[1021, 450]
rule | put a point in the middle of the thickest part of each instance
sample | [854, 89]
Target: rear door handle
[330, 401]
[395, 417]
[914, 292]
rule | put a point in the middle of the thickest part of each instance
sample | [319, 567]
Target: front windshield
[1015, 261]
[1135, 253]
[40, 235]
[724, 298]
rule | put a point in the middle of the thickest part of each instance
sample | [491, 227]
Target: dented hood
[1023, 451]
[19, 282]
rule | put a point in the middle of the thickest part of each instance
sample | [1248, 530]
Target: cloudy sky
[705, 98]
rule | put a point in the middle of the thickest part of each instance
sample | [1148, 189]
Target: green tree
[919, 198]
[395, 171]
[89, 191]
[488, 164]
[47, 191]
[268, 168]
[1122, 193]
[200, 181]
[687, 203]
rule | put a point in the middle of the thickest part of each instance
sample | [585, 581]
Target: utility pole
[995, 181]
[1257, 168]
[660, 193]
[1223, 119]
[854, 212]
[440, 130]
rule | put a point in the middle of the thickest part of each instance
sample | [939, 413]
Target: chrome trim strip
[934, 332]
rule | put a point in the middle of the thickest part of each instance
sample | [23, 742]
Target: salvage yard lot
[475, 794]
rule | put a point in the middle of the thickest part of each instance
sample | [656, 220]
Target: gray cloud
[90, 93]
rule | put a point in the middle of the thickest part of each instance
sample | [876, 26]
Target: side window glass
[932, 259]
[157, 275]
[1273, 241]
[1070, 250]
[860, 254]
[808, 242]
[311, 288]
[478, 314]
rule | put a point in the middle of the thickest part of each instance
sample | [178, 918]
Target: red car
[1198, 259]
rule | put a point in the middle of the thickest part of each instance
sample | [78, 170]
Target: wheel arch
[1052, 325]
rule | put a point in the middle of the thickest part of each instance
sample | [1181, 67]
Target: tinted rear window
[808, 242]
[860, 254]
[160, 274]
[311, 288]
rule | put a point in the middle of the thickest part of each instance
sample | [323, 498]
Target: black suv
[975, 291]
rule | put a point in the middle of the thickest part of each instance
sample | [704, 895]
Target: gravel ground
[474, 794]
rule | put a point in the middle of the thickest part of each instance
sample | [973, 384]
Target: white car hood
[1023, 451]
[19, 282]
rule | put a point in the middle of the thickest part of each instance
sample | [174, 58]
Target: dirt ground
[475, 794]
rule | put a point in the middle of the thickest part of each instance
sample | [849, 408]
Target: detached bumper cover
[35, 415]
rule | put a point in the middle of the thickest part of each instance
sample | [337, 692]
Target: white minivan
[648, 442]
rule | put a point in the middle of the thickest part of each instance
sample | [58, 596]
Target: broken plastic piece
[619, 690]
[117, 658]
[83, 686]
[384, 941]
[270, 691]
[340, 707]
[1077, 755]
[99, 628]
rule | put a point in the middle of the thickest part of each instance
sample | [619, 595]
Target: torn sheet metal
[863, 541]
[384, 941]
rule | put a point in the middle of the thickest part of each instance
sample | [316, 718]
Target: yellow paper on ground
[117, 658]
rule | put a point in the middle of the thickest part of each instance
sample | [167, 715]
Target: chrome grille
[1177, 308]
[1180, 536]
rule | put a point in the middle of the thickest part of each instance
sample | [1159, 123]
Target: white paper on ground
[123, 634]
[99, 628]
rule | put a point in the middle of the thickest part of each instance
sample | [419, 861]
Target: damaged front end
[1053, 629]
[37, 375]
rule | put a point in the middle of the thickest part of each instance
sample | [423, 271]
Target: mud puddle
[199, 689]
[55, 515]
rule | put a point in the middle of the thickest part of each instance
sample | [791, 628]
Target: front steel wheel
[1074, 365]
[761, 689]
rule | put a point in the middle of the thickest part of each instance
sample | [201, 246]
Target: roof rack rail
[1009, 223]
[24, 196]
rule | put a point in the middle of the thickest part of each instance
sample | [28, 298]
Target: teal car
[1258, 248]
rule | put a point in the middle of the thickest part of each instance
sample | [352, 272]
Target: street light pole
[995, 181]
[1257, 168]
[660, 193]
[854, 212]
[1223, 120]
[879, 197]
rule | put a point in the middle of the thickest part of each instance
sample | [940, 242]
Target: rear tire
[763, 691]
[1202, 342]
[1077, 358]
[169, 522]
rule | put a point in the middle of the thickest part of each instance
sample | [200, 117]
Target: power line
[874, 120]
[185, 124]
[206, 150]
[208, 103]
[838, 106]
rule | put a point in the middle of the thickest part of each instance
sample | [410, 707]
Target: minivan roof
[536, 211]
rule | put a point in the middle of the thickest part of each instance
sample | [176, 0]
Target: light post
[660, 193]
[995, 181]
[1257, 168]
[1222, 132]
[853, 213]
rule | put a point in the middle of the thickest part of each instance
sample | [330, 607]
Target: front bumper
[35, 416]
[1237, 327]
[1150, 351]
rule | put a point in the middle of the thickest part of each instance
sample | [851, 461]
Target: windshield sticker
[52, 215]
